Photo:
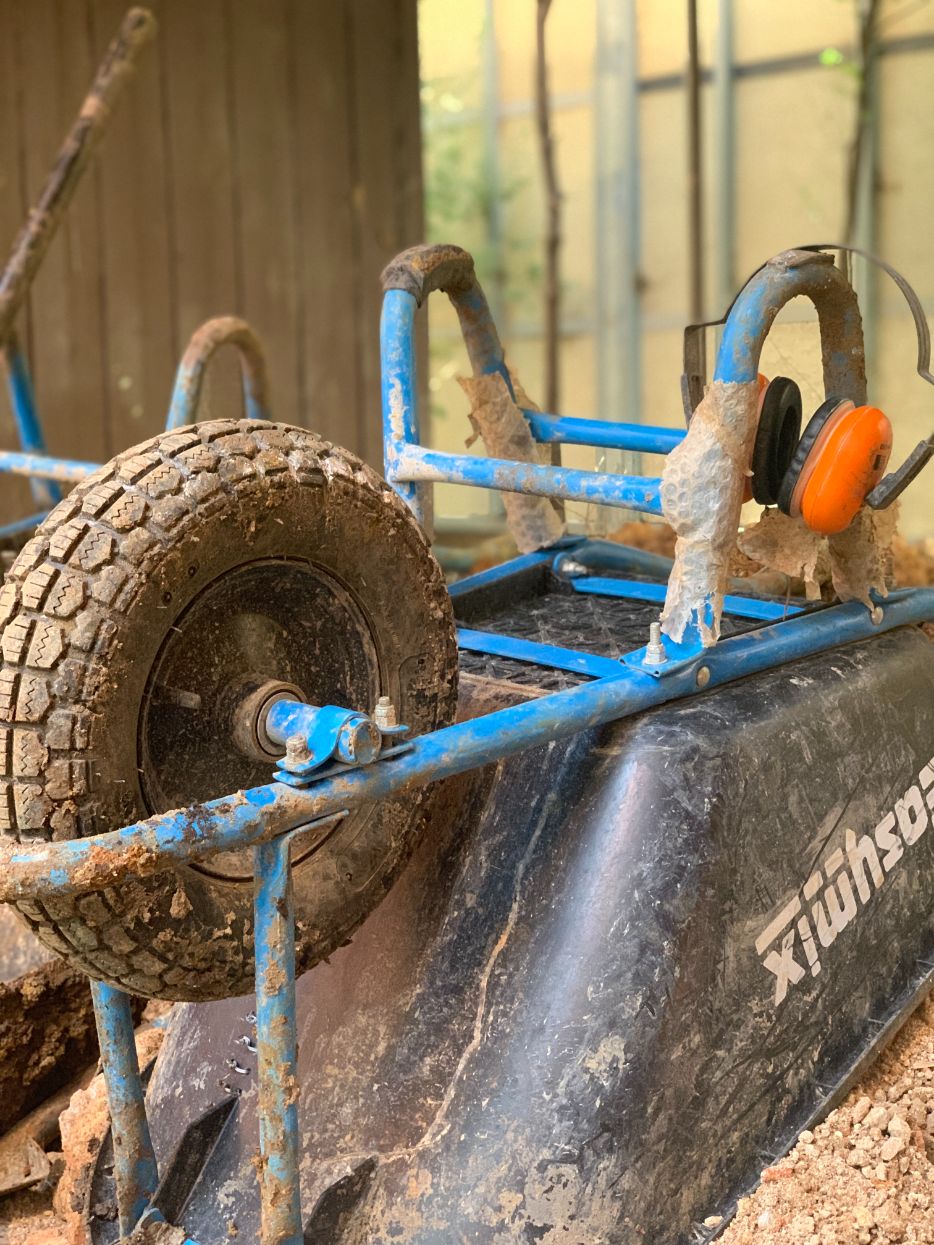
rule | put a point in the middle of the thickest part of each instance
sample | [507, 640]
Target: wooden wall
[265, 161]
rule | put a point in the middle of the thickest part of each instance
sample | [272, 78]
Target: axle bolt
[358, 742]
[655, 654]
[384, 715]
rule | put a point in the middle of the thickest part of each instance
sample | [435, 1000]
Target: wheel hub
[262, 632]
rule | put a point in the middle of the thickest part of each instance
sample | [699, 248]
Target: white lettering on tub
[789, 946]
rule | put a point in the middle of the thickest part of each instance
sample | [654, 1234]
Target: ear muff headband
[693, 383]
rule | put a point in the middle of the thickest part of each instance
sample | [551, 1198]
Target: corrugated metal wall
[265, 161]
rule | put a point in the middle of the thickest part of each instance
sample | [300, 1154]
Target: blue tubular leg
[68, 470]
[400, 412]
[276, 1045]
[134, 1159]
[631, 492]
[407, 282]
[22, 525]
[28, 428]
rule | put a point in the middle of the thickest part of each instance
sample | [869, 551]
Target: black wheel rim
[285, 620]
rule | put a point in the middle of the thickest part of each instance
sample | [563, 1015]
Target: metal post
[136, 29]
[695, 172]
[864, 209]
[28, 428]
[724, 167]
[495, 230]
[619, 345]
[135, 1169]
[276, 1044]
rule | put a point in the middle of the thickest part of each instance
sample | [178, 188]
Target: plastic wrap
[504, 430]
[702, 495]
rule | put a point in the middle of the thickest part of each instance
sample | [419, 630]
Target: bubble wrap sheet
[504, 430]
[702, 495]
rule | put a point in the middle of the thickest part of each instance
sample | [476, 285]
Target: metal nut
[296, 749]
[384, 715]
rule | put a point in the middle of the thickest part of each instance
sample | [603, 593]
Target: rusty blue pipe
[276, 1044]
[205, 343]
[812, 275]
[135, 1169]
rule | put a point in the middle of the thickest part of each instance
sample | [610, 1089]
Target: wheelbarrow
[663, 897]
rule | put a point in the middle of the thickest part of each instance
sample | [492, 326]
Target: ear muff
[763, 387]
[776, 438]
[838, 461]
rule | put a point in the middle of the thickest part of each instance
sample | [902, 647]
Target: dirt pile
[47, 1035]
[865, 1176]
[54, 1212]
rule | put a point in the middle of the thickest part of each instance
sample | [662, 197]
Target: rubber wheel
[202, 560]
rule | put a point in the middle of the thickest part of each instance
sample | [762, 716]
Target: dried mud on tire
[85, 610]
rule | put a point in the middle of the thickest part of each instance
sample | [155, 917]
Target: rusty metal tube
[137, 28]
[276, 1044]
[135, 1169]
[204, 344]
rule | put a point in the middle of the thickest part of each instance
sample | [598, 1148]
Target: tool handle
[136, 30]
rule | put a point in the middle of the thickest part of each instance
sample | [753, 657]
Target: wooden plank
[66, 351]
[265, 187]
[387, 195]
[140, 346]
[193, 49]
[15, 496]
[321, 127]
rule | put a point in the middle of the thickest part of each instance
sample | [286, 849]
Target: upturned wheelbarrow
[513, 911]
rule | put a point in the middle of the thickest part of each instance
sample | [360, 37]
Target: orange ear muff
[776, 438]
[839, 460]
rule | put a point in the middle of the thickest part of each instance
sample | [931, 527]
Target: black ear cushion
[805, 445]
[776, 438]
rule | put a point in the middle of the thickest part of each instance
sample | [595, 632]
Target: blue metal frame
[639, 590]
[277, 1043]
[409, 466]
[135, 1170]
[25, 416]
[265, 818]
[42, 468]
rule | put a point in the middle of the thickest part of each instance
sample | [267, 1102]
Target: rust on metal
[119, 62]
[204, 344]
